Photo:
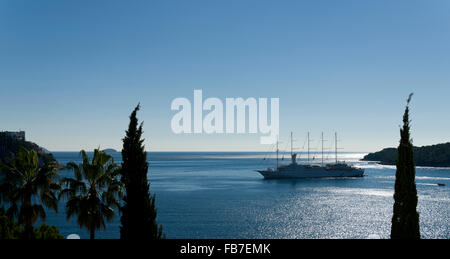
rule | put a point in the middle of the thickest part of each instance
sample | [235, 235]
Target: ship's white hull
[309, 172]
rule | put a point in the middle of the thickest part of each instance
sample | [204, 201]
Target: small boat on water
[441, 184]
[295, 170]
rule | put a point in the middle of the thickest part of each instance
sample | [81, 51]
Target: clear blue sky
[72, 71]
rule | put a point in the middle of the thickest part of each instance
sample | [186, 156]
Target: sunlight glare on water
[219, 195]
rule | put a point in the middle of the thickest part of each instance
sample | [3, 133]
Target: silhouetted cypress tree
[138, 212]
[405, 221]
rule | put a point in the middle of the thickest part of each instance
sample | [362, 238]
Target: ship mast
[322, 148]
[308, 146]
[277, 154]
[335, 146]
[291, 143]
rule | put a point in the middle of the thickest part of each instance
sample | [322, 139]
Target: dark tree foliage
[138, 211]
[10, 229]
[94, 191]
[46, 232]
[405, 220]
[27, 187]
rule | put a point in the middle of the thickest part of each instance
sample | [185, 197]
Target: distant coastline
[10, 145]
[110, 150]
[431, 156]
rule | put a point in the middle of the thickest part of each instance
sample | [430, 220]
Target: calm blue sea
[219, 195]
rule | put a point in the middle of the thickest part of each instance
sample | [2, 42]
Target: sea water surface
[219, 195]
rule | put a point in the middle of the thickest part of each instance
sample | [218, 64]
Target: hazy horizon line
[214, 151]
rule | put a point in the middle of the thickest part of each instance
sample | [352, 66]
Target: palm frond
[94, 191]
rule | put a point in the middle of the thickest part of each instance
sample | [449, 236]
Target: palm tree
[94, 192]
[23, 182]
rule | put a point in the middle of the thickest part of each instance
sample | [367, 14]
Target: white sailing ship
[309, 170]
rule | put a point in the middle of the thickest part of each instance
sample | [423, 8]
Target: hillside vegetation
[9, 147]
[435, 156]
